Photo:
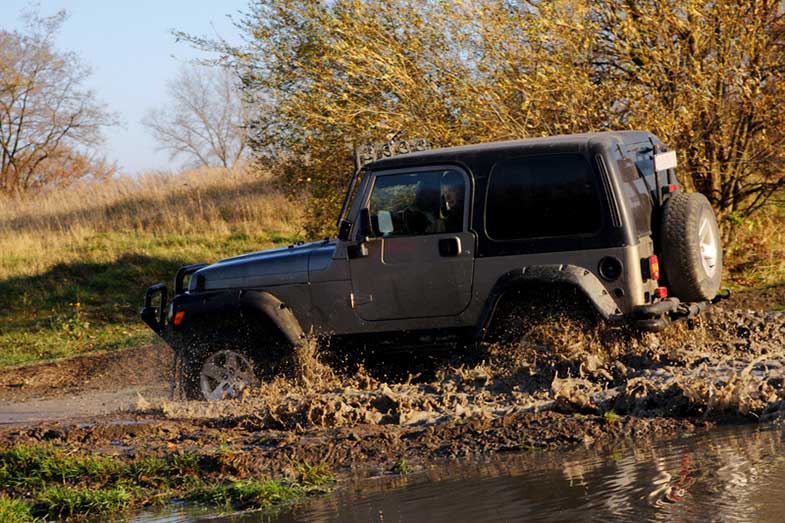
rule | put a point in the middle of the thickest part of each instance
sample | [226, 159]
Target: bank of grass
[755, 250]
[45, 483]
[74, 264]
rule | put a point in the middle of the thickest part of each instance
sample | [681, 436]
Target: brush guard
[155, 317]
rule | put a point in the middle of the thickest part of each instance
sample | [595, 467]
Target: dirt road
[84, 386]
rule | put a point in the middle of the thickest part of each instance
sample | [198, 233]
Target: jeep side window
[542, 196]
[429, 202]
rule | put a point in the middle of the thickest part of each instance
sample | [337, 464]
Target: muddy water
[728, 474]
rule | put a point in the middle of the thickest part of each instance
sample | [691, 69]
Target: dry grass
[755, 251]
[74, 263]
[40, 231]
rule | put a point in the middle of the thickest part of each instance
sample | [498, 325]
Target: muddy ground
[542, 384]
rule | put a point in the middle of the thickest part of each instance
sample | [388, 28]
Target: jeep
[429, 242]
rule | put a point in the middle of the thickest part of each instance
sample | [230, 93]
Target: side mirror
[385, 222]
[344, 229]
[366, 228]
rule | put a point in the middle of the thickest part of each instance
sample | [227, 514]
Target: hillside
[74, 263]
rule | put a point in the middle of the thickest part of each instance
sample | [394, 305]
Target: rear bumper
[657, 316]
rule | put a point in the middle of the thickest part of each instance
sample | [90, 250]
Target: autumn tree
[204, 119]
[709, 78]
[46, 113]
[334, 75]
[705, 76]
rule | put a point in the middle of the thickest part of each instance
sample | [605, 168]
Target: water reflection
[729, 474]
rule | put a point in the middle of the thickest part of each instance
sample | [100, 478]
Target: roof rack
[370, 152]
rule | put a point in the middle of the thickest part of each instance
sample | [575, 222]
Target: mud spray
[731, 364]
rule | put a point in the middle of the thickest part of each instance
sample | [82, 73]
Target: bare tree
[205, 120]
[45, 112]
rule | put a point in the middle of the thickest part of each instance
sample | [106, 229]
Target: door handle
[449, 247]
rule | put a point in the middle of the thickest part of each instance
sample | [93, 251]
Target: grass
[47, 483]
[611, 418]
[15, 511]
[69, 502]
[74, 264]
[754, 253]
[401, 467]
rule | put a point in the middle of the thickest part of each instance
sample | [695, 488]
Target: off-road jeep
[428, 243]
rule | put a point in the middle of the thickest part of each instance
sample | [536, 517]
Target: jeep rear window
[636, 167]
[542, 196]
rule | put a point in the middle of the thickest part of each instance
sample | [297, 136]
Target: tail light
[661, 292]
[178, 317]
[654, 267]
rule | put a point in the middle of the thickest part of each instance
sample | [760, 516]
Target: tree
[337, 74]
[205, 118]
[45, 111]
[707, 76]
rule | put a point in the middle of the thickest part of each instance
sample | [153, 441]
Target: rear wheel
[545, 328]
[692, 255]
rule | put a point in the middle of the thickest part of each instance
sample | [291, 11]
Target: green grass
[611, 417]
[401, 467]
[70, 502]
[45, 482]
[15, 511]
[246, 494]
[90, 301]
[25, 468]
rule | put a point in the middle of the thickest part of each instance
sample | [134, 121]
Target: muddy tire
[539, 326]
[692, 255]
[221, 362]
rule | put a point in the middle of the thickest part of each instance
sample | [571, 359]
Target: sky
[133, 55]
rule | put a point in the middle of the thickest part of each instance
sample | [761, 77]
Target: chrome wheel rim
[709, 249]
[225, 375]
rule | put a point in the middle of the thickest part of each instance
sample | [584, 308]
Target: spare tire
[691, 250]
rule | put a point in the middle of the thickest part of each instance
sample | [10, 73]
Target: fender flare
[277, 312]
[581, 278]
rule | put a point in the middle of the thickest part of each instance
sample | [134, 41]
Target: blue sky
[132, 53]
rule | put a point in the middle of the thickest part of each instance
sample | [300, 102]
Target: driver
[451, 204]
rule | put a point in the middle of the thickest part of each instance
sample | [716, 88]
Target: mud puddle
[729, 474]
[84, 405]
[83, 375]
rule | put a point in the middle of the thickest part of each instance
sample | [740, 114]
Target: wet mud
[551, 380]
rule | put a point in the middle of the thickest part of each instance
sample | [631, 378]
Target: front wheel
[224, 362]
[226, 374]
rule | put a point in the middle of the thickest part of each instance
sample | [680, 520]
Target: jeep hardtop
[430, 241]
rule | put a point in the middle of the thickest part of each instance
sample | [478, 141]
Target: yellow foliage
[706, 76]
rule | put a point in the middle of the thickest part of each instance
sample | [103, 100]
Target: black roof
[465, 153]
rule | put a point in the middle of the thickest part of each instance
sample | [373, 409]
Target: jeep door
[420, 255]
